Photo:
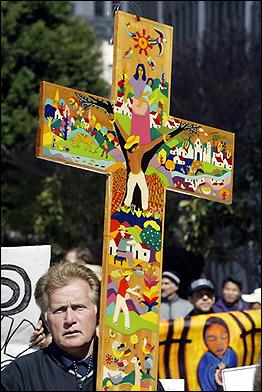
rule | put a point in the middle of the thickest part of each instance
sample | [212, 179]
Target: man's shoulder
[219, 305]
[182, 300]
[243, 305]
[185, 303]
[30, 359]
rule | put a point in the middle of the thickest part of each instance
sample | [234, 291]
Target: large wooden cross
[144, 151]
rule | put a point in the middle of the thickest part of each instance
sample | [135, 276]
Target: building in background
[190, 19]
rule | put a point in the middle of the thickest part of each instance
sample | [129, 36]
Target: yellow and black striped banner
[187, 349]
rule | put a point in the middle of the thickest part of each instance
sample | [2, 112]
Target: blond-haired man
[68, 296]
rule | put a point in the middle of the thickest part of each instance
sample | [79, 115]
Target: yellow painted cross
[144, 151]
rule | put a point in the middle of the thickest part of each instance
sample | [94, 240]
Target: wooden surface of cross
[144, 151]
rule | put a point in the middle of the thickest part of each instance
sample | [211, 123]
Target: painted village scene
[144, 152]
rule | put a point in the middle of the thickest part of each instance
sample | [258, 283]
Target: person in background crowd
[68, 296]
[83, 254]
[172, 306]
[231, 297]
[254, 299]
[41, 337]
[201, 294]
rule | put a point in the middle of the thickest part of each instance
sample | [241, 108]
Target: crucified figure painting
[138, 157]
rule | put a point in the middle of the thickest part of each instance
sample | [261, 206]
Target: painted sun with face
[142, 42]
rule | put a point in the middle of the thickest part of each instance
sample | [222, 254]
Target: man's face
[217, 339]
[168, 288]
[203, 299]
[231, 292]
[71, 317]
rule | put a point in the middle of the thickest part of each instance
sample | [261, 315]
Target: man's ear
[97, 331]
[190, 299]
[97, 315]
[45, 318]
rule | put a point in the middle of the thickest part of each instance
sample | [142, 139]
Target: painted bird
[128, 53]
[118, 349]
[130, 33]
[148, 363]
[151, 63]
[147, 348]
[159, 41]
[122, 364]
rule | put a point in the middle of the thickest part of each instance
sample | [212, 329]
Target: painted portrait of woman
[140, 121]
[218, 357]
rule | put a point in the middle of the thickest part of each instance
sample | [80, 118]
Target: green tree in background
[221, 88]
[42, 202]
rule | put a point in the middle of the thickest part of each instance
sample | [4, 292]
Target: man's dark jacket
[44, 370]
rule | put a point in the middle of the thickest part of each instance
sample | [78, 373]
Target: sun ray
[143, 42]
